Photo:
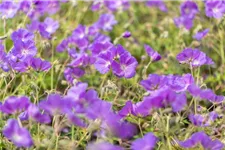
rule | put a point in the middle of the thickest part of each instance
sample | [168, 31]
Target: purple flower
[126, 34]
[147, 142]
[23, 50]
[4, 65]
[157, 3]
[33, 26]
[204, 140]
[35, 114]
[194, 57]
[179, 83]
[127, 109]
[184, 21]
[22, 66]
[72, 73]
[103, 62]
[115, 5]
[154, 82]
[18, 135]
[189, 8]
[161, 99]
[203, 120]
[100, 47]
[126, 67]
[96, 5]
[8, 9]
[188, 11]
[54, 104]
[215, 8]
[77, 91]
[40, 65]
[103, 146]
[207, 94]
[155, 56]
[48, 27]
[22, 35]
[15, 104]
[198, 36]
[63, 45]
[80, 37]
[106, 22]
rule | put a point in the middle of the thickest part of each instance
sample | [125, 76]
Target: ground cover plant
[112, 75]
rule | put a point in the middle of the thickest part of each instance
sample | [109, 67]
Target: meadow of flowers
[112, 75]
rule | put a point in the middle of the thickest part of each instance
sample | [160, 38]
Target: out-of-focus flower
[22, 35]
[103, 62]
[72, 73]
[198, 36]
[189, 8]
[194, 57]
[147, 142]
[157, 3]
[35, 114]
[23, 50]
[126, 67]
[8, 9]
[215, 8]
[106, 22]
[155, 56]
[48, 27]
[203, 120]
[54, 104]
[103, 146]
[154, 82]
[204, 140]
[33, 26]
[40, 65]
[126, 34]
[100, 47]
[15, 104]
[4, 65]
[177, 83]
[18, 135]
[188, 11]
[117, 5]
[207, 94]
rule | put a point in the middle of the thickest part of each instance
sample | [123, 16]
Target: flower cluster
[22, 56]
[188, 10]
[137, 108]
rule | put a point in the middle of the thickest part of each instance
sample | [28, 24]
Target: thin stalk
[144, 73]
[52, 70]
[221, 47]
[167, 134]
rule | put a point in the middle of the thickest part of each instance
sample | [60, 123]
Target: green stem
[57, 142]
[221, 47]
[167, 134]
[72, 134]
[52, 70]
[144, 73]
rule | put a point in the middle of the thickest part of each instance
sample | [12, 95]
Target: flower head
[106, 22]
[157, 3]
[15, 104]
[18, 135]
[155, 56]
[147, 142]
[204, 140]
[198, 36]
[8, 9]
[194, 57]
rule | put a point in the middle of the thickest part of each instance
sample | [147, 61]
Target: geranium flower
[18, 135]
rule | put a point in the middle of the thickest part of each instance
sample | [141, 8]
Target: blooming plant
[112, 74]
